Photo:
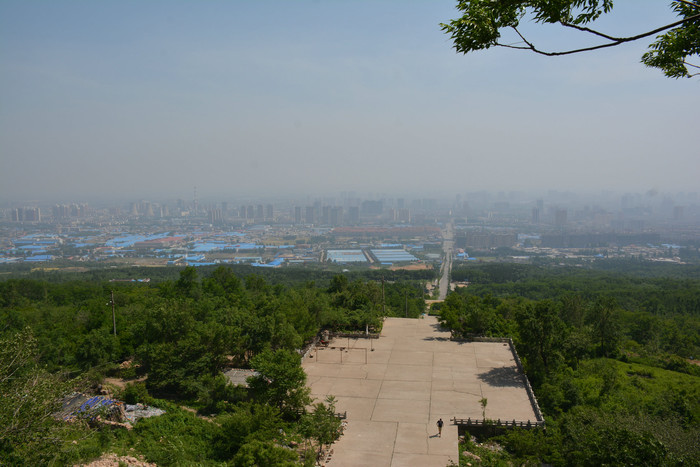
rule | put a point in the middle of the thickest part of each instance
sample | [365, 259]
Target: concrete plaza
[395, 388]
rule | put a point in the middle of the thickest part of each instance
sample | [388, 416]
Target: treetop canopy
[482, 22]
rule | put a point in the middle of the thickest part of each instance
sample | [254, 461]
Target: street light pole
[114, 316]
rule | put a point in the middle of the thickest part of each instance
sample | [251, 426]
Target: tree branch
[591, 31]
[614, 40]
[529, 44]
[689, 3]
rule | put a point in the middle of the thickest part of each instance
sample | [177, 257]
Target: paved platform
[395, 388]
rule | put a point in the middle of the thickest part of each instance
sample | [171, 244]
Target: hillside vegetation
[610, 356]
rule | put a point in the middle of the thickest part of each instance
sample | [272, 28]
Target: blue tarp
[272, 264]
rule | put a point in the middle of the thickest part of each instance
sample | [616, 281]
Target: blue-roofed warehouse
[392, 255]
[346, 256]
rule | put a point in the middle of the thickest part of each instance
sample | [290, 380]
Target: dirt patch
[145, 262]
[408, 267]
[113, 460]
[120, 383]
[412, 267]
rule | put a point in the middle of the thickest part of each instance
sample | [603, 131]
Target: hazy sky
[135, 98]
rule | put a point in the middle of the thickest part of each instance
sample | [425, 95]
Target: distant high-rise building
[372, 208]
[326, 215]
[215, 216]
[195, 202]
[309, 214]
[297, 214]
[32, 214]
[269, 212]
[26, 214]
[535, 215]
[336, 216]
[353, 215]
[560, 217]
[250, 212]
[61, 211]
[259, 211]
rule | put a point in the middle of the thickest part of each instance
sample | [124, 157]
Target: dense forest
[58, 335]
[611, 352]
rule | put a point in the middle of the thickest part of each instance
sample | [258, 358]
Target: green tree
[483, 21]
[30, 434]
[322, 424]
[542, 334]
[188, 285]
[594, 437]
[259, 453]
[179, 350]
[249, 422]
[606, 325]
[281, 381]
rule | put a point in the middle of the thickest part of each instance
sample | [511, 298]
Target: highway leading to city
[447, 248]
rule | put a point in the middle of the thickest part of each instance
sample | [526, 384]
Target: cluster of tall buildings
[62, 211]
[31, 214]
[369, 210]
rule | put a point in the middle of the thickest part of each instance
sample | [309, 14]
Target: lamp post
[114, 316]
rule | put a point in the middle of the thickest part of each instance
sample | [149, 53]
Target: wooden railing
[497, 423]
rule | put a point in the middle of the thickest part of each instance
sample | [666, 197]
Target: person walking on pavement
[439, 425]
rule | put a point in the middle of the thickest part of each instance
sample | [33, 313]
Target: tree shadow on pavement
[502, 377]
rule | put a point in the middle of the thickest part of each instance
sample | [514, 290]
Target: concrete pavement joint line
[393, 448]
[430, 407]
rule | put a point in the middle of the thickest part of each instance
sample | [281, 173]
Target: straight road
[447, 248]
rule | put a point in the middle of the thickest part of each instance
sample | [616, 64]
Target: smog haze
[128, 99]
